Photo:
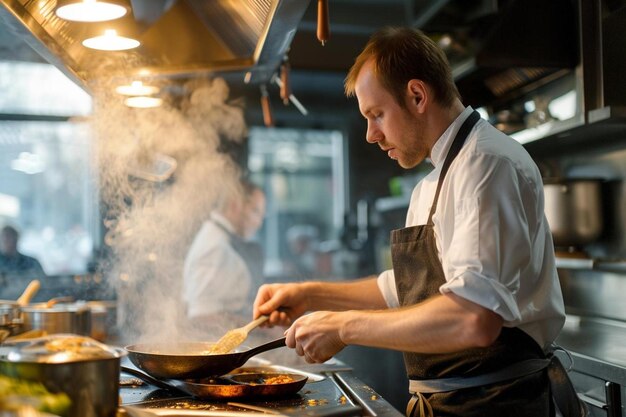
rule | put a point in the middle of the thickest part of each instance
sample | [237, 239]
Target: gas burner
[330, 390]
[319, 391]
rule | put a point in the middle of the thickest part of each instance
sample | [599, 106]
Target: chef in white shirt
[223, 267]
[473, 299]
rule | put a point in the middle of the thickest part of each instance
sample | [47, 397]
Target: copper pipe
[285, 88]
[323, 23]
[268, 118]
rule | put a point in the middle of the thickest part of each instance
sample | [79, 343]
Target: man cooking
[474, 292]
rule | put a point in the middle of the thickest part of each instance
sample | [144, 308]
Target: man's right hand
[283, 303]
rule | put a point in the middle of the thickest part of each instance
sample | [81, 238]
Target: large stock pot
[573, 208]
[84, 369]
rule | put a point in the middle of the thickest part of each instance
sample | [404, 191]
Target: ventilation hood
[513, 47]
[182, 38]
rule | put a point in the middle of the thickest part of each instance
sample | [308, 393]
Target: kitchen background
[555, 88]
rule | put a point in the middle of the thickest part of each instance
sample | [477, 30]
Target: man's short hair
[11, 232]
[403, 54]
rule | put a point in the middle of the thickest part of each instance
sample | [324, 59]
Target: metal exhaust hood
[179, 39]
[525, 42]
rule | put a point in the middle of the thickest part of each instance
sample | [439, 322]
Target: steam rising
[151, 223]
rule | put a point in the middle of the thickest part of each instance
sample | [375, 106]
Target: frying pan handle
[264, 347]
[147, 378]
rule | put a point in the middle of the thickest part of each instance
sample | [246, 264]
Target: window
[303, 175]
[47, 190]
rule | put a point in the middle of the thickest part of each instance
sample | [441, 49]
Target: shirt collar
[440, 150]
[222, 221]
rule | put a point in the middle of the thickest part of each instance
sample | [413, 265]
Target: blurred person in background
[224, 268]
[12, 262]
[303, 242]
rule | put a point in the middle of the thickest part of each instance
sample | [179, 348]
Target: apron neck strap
[454, 150]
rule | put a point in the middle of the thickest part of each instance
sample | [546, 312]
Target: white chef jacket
[492, 236]
[215, 277]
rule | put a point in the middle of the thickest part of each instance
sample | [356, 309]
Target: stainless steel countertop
[597, 345]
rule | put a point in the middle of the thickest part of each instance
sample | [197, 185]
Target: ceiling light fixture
[111, 41]
[91, 10]
[137, 88]
[143, 102]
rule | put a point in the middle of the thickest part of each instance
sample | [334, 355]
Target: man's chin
[407, 164]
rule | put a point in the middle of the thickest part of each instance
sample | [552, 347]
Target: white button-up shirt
[215, 277]
[492, 235]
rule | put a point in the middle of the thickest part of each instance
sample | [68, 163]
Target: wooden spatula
[29, 293]
[235, 337]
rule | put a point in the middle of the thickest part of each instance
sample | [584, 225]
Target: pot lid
[58, 348]
[8, 304]
[73, 308]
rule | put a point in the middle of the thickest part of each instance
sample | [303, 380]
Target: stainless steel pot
[10, 317]
[87, 371]
[10, 311]
[59, 318]
[103, 319]
[573, 208]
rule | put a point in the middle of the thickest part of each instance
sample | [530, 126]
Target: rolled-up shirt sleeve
[490, 248]
[387, 285]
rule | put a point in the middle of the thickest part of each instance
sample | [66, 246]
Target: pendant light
[137, 88]
[91, 10]
[143, 102]
[111, 41]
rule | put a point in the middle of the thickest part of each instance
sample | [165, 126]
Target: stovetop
[330, 392]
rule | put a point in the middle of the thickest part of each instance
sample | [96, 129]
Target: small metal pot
[573, 208]
[103, 319]
[10, 311]
[10, 317]
[85, 370]
[60, 318]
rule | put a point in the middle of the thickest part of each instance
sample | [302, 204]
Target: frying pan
[248, 382]
[186, 360]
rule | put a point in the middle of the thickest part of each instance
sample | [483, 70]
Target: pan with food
[190, 360]
[242, 383]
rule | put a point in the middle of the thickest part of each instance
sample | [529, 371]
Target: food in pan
[267, 378]
[278, 379]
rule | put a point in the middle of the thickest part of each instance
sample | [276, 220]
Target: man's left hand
[316, 336]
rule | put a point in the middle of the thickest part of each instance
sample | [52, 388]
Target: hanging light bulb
[137, 88]
[111, 41]
[143, 102]
[91, 10]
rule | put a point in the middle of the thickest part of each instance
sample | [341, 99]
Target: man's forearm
[337, 296]
[441, 324]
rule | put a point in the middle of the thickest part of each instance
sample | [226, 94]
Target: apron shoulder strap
[456, 146]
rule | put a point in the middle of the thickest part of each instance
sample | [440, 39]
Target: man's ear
[418, 95]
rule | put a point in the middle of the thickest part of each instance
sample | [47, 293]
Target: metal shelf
[617, 266]
[606, 127]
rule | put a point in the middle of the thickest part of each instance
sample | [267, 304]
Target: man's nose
[373, 134]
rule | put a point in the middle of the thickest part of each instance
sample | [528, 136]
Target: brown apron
[419, 274]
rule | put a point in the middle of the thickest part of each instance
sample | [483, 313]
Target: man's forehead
[365, 75]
